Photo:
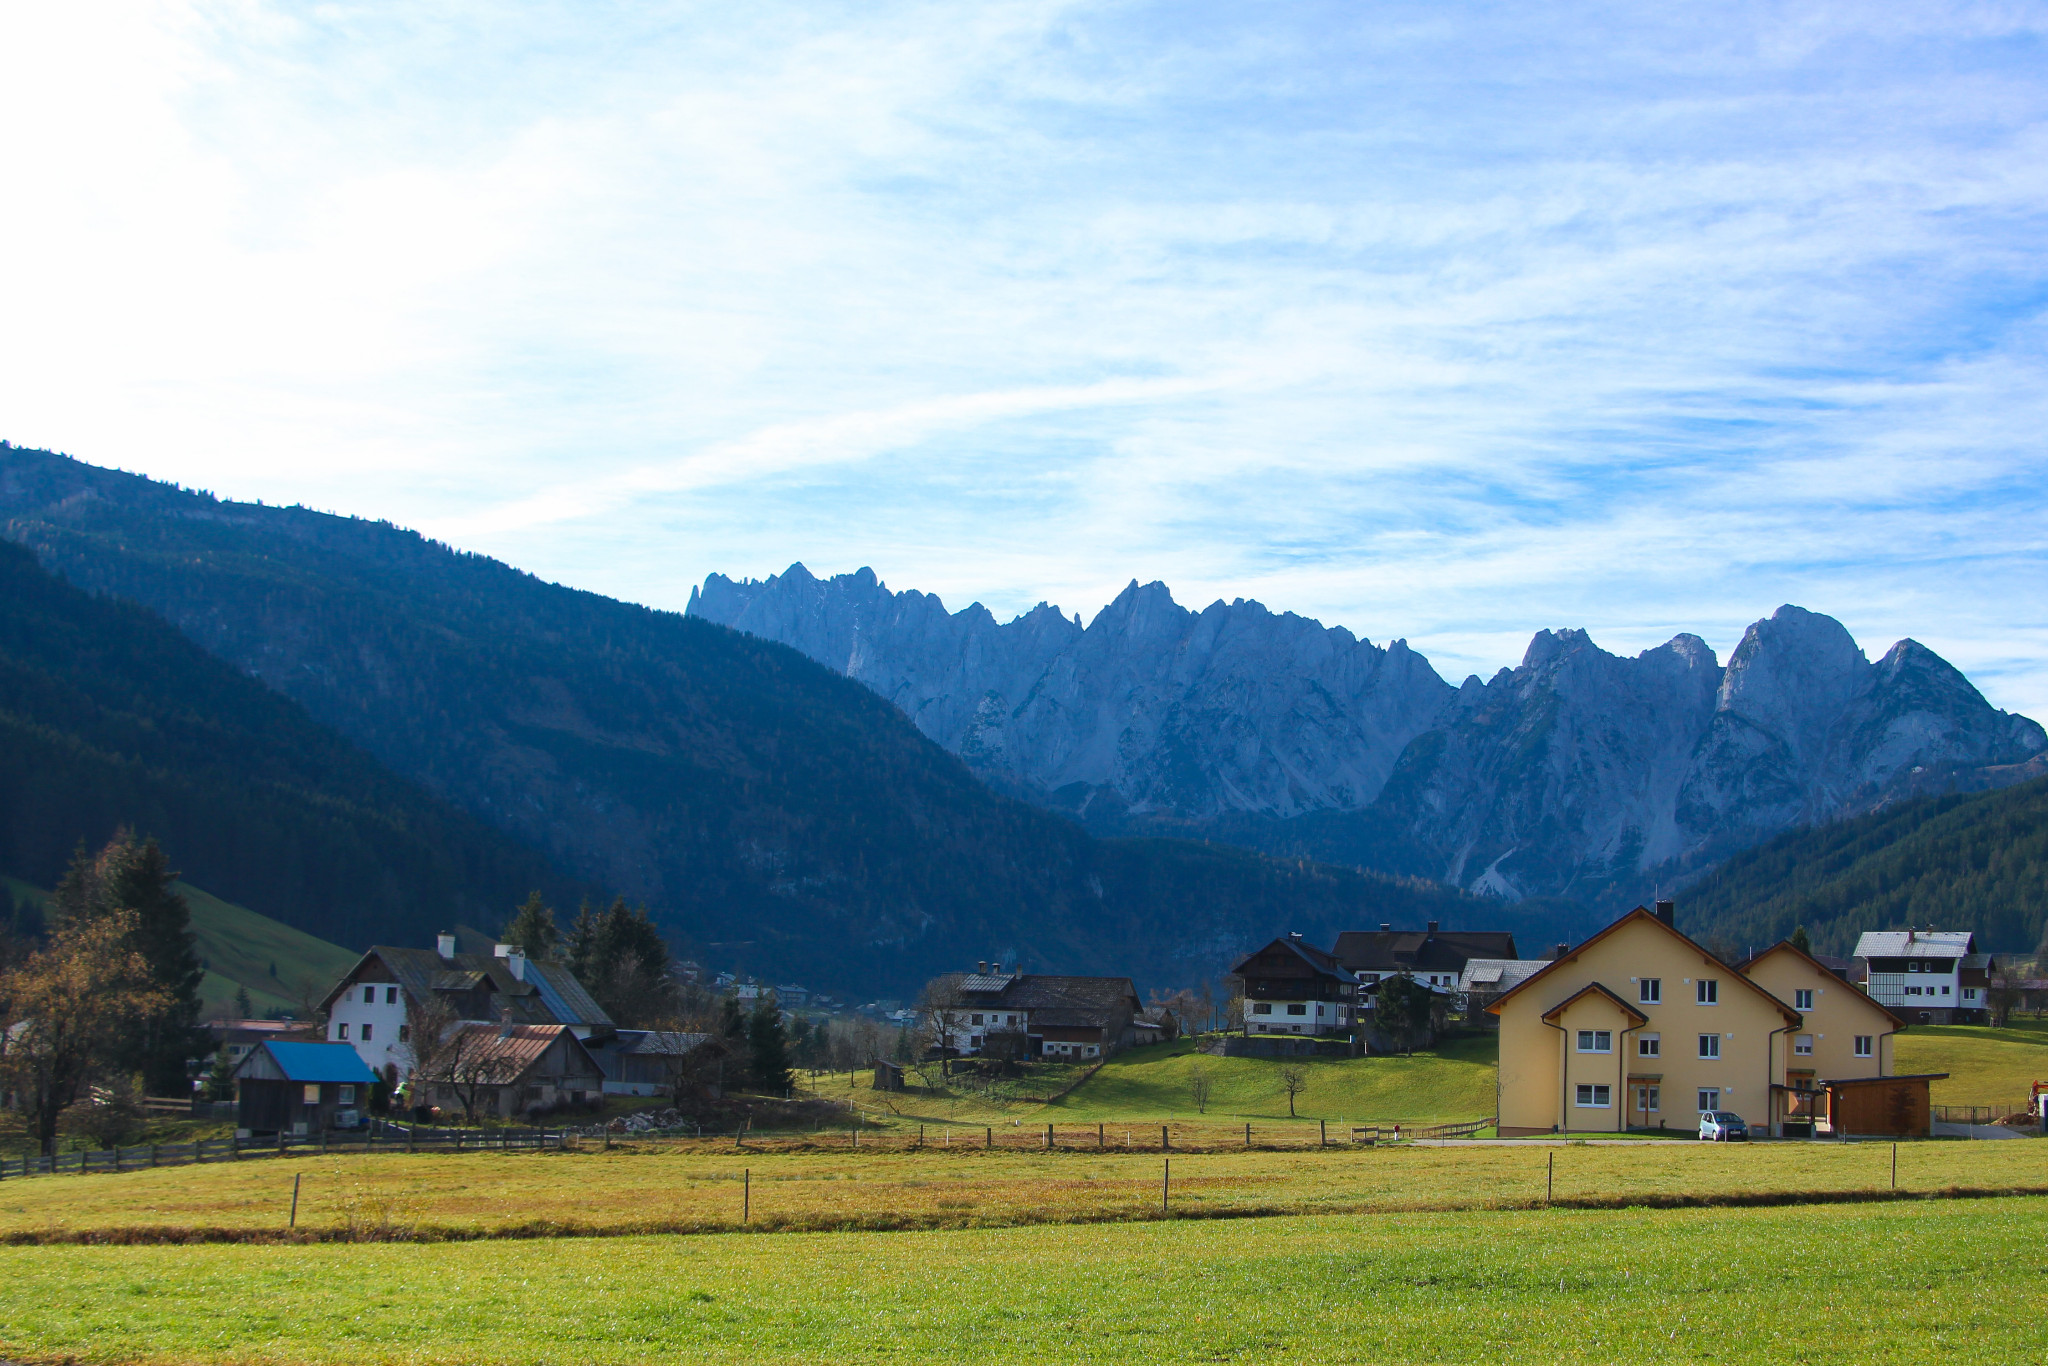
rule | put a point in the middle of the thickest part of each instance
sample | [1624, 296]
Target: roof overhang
[1628, 1011]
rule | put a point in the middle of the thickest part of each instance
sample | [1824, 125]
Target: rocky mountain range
[1574, 773]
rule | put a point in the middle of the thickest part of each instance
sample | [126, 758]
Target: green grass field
[692, 1185]
[240, 948]
[1960, 1280]
[1985, 1066]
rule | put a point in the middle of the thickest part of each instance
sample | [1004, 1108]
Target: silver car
[1723, 1126]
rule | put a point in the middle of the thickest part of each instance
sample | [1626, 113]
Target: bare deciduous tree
[2002, 997]
[1198, 1088]
[1293, 1080]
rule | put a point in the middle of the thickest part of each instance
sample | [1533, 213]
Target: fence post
[1549, 1175]
[746, 1194]
[1895, 1166]
[1100, 1141]
[1165, 1184]
[1164, 1142]
[1247, 1135]
[1325, 1126]
[1048, 1138]
[991, 1136]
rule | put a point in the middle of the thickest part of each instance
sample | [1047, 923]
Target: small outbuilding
[301, 1088]
[1882, 1107]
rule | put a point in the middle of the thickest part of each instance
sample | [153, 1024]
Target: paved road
[1976, 1131]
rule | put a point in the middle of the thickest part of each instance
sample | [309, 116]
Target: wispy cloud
[1439, 321]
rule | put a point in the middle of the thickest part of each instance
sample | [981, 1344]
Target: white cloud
[1439, 322]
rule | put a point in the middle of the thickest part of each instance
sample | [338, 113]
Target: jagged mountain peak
[1577, 764]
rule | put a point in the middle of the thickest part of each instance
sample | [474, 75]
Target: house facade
[1843, 1034]
[371, 1007]
[506, 1070]
[1927, 976]
[1638, 1027]
[1293, 987]
[1435, 958]
[1034, 1015]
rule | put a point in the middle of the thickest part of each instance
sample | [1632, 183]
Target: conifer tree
[532, 929]
[768, 1045]
[1800, 940]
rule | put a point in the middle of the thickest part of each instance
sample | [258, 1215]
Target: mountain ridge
[1577, 772]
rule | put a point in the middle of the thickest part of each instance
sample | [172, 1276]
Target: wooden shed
[301, 1088]
[1886, 1107]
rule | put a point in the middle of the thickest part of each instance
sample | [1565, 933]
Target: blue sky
[1445, 322]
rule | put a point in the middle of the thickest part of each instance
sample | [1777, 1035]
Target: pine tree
[1800, 941]
[768, 1045]
[135, 876]
[532, 929]
[244, 1007]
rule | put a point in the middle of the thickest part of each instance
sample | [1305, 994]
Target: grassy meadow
[1809, 1285]
[697, 1186]
[1985, 1066]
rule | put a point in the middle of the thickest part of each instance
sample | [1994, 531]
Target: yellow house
[1845, 1033]
[1639, 1027]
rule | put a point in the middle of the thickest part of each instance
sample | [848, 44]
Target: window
[1802, 998]
[975, 1020]
[404, 1033]
[1709, 991]
[1944, 991]
[1863, 1045]
[391, 996]
[1912, 991]
[341, 1030]
[366, 1033]
[1262, 1008]
[1969, 993]
[1710, 1098]
[1296, 1008]
[1649, 1045]
[1647, 1099]
[369, 996]
[1595, 1097]
[1710, 1045]
[1802, 1044]
[345, 1093]
[310, 1093]
[1596, 1041]
[1651, 989]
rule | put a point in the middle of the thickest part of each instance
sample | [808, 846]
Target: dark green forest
[110, 717]
[1969, 862]
[774, 816]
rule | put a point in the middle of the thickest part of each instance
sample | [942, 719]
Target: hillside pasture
[1985, 1066]
[1839, 1284]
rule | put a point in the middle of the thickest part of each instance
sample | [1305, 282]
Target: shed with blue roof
[301, 1088]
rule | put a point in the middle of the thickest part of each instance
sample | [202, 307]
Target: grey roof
[1420, 950]
[1916, 944]
[549, 995]
[985, 981]
[1499, 974]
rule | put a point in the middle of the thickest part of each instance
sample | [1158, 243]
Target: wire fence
[387, 1138]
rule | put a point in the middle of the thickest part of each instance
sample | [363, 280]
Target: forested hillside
[774, 815]
[109, 717]
[1976, 862]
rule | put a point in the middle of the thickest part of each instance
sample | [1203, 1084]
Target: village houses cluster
[1637, 1027]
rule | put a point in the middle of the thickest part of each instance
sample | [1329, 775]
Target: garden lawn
[699, 1187]
[1840, 1284]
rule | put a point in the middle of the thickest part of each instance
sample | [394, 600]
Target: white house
[1927, 976]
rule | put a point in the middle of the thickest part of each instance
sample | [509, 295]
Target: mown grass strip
[147, 1235]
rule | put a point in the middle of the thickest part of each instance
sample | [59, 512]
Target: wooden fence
[383, 1139]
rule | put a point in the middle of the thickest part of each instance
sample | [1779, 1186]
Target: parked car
[1723, 1126]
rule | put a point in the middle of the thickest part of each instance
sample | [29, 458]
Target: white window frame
[1593, 1096]
[345, 1093]
[309, 1092]
[1802, 1045]
[1802, 998]
[1262, 1007]
[1969, 993]
[1711, 1095]
[369, 996]
[1596, 1041]
[1707, 991]
[1650, 991]
[341, 1029]
[1649, 1099]
[1649, 1045]
[367, 1026]
[1297, 1007]
[1866, 1045]
[1710, 1048]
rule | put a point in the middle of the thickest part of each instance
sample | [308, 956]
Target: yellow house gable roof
[1787, 946]
[1628, 1011]
[1642, 916]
